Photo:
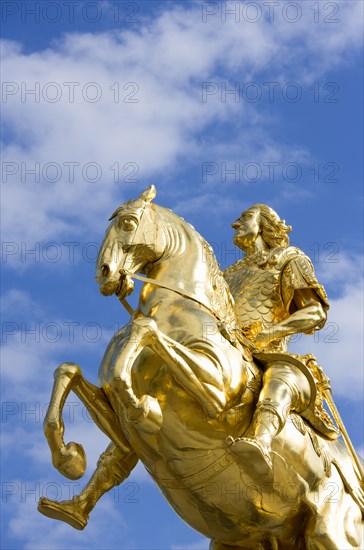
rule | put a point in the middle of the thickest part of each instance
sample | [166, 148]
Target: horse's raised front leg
[193, 370]
[70, 459]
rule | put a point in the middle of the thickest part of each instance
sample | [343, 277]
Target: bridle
[135, 232]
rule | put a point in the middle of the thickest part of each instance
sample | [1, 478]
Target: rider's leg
[113, 467]
[273, 407]
[285, 388]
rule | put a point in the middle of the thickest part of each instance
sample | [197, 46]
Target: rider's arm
[305, 301]
[309, 314]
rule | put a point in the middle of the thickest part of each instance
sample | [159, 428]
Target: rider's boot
[112, 469]
[274, 405]
[257, 449]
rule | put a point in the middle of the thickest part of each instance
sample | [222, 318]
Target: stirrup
[254, 452]
[66, 511]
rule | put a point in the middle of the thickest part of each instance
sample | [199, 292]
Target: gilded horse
[176, 387]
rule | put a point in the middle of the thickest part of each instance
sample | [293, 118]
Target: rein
[125, 303]
[166, 287]
[238, 335]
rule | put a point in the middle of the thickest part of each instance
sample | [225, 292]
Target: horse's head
[131, 242]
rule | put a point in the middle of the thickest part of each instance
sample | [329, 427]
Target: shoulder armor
[288, 254]
[298, 272]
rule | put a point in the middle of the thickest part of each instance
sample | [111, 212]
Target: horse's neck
[185, 265]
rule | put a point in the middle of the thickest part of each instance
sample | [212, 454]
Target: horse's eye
[128, 224]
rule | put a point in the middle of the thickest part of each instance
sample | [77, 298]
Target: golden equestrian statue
[200, 388]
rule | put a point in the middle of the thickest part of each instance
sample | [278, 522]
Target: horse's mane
[222, 302]
[222, 299]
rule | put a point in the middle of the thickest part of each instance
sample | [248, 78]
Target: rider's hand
[262, 339]
[267, 334]
[250, 331]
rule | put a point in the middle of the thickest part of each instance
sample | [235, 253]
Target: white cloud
[17, 301]
[36, 531]
[338, 345]
[341, 268]
[34, 344]
[166, 59]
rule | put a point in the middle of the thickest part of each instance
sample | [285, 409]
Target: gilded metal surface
[200, 388]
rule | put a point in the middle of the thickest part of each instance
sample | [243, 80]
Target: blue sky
[219, 110]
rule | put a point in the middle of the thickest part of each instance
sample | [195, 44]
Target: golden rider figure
[276, 295]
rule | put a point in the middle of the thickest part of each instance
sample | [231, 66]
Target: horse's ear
[149, 194]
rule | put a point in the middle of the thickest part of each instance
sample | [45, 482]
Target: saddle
[315, 413]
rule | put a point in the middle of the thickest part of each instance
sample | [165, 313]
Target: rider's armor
[263, 286]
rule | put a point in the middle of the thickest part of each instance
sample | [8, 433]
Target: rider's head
[274, 231]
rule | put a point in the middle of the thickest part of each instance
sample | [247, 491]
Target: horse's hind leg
[113, 466]
[70, 459]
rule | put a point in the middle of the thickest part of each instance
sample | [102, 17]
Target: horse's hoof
[68, 369]
[71, 461]
[66, 510]
[147, 414]
[252, 453]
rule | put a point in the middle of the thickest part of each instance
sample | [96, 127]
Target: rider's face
[247, 228]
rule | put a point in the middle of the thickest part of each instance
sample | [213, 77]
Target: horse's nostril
[105, 270]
